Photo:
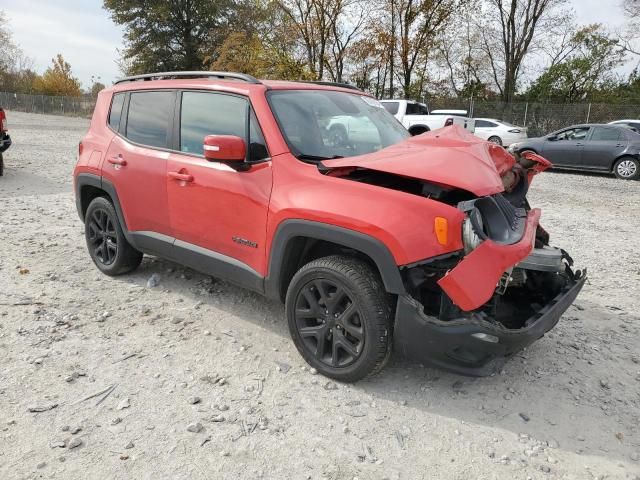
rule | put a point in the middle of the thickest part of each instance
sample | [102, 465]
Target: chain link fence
[539, 118]
[77, 106]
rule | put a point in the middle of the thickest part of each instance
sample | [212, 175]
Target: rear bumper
[462, 345]
[5, 142]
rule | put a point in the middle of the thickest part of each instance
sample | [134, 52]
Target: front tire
[1, 165]
[107, 245]
[340, 317]
[627, 168]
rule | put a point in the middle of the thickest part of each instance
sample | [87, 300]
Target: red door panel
[218, 208]
[139, 175]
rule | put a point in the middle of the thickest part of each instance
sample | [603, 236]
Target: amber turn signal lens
[442, 230]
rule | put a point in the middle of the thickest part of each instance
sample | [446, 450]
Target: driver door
[218, 208]
[567, 148]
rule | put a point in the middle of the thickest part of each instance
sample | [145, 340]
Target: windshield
[321, 124]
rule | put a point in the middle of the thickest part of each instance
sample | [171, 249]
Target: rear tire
[627, 168]
[495, 139]
[340, 317]
[107, 245]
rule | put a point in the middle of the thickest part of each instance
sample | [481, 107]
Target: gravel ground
[200, 379]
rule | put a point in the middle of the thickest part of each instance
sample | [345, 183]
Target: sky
[84, 33]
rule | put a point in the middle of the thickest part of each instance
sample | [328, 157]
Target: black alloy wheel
[329, 323]
[102, 236]
[340, 317]
[106, 241]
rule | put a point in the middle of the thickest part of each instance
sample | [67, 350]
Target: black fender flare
[90, 179]
[366, 244]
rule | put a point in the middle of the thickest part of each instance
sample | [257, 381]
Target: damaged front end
[469, 310]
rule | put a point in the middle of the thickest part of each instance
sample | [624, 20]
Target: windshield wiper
[317, 158]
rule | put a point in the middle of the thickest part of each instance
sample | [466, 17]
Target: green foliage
[587, 68]
[163, 35]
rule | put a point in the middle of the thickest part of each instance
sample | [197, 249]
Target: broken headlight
[470, 238]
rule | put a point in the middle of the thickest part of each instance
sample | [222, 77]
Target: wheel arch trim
[290, 229]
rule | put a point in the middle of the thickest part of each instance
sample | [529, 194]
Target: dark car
[590, 147]
[5, 139]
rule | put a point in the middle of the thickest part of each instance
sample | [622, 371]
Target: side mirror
[552, 138]
[224, 148]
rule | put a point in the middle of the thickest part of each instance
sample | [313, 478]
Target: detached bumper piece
[5, 142]
[478, 344]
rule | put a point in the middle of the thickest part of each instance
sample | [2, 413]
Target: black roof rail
[195, 74]
[332, 84]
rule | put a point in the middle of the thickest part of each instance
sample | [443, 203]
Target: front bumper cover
[451, 345]
[5, 142]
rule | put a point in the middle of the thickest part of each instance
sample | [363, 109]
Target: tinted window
[205, 114]
[148, 118]
[116, 110]
[485, 124]
[607, 134]
[416, 109]
[391, 107]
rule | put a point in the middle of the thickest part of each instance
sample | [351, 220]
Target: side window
[391, 107]
[607, 134]
[423, 110]
[148, 118]
[116, 110]
[257, 145]
[413, 109]
[482, 124]
[203, 114]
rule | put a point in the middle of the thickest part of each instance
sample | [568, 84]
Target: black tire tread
[366, 281]
[128, 258]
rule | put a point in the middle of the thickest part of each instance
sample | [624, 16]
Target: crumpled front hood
[448, 156]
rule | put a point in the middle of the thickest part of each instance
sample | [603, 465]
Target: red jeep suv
[370, 237]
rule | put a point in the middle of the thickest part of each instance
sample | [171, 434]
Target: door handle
[117, 160]
[579, 144]
[185, 177]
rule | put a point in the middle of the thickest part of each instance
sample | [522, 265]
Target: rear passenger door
[136, 162]
[603, 147]
[221, 210]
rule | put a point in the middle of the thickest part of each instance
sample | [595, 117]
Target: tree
[58, 80]
[419, 24]
[510, 30]
[461, 56]
[589, 65]
[317, 24]
[16, 74]
[168, 35]
[249, 54]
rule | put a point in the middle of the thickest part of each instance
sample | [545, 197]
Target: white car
[632, 124]
[499, 132]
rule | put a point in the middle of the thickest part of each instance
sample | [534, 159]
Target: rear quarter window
[148, 118]
[116, 110]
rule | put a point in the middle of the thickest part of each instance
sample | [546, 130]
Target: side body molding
[230, 269]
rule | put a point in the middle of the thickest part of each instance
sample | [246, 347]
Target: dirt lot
[194, 351]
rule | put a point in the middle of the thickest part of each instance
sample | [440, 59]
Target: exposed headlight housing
[470, 238]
